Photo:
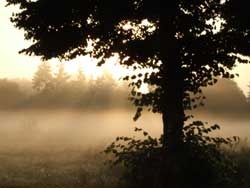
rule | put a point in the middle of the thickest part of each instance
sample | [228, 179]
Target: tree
[80, 76]
[43, 78]
[101, 90]
[11, 95]
[187, 43]
[61, 77]
[220, 105]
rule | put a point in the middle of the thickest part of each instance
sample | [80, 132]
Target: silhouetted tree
[188, 43]
[42, 80]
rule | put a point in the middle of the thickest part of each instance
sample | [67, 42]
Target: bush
[202, 162]
[241, 154]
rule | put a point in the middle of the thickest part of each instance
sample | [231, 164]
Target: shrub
[202, 161]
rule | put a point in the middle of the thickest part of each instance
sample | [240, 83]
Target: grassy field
[73, 168]
[241, 154]
[65, 168]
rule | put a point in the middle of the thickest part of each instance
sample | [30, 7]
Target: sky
[15, 65]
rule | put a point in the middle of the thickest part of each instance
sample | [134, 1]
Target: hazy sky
[15, 65]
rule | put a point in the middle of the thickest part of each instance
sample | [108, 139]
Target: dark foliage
[202, 162]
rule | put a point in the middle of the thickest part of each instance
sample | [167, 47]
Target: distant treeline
[90, 94]
[226, 98]
[60, 90]
[47, 90]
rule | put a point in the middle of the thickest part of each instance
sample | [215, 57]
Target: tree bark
[172, 99]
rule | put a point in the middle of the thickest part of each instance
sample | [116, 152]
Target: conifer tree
[43, 79]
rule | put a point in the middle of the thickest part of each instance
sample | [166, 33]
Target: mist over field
[74, 129]
[60, 129]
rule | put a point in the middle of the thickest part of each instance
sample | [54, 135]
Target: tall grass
[241, 154]
[80, 168]
[65, 168]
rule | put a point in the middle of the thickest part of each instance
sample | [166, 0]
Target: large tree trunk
[172, 100]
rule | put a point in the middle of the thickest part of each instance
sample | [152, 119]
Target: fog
[75, 129]
[60, 129]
